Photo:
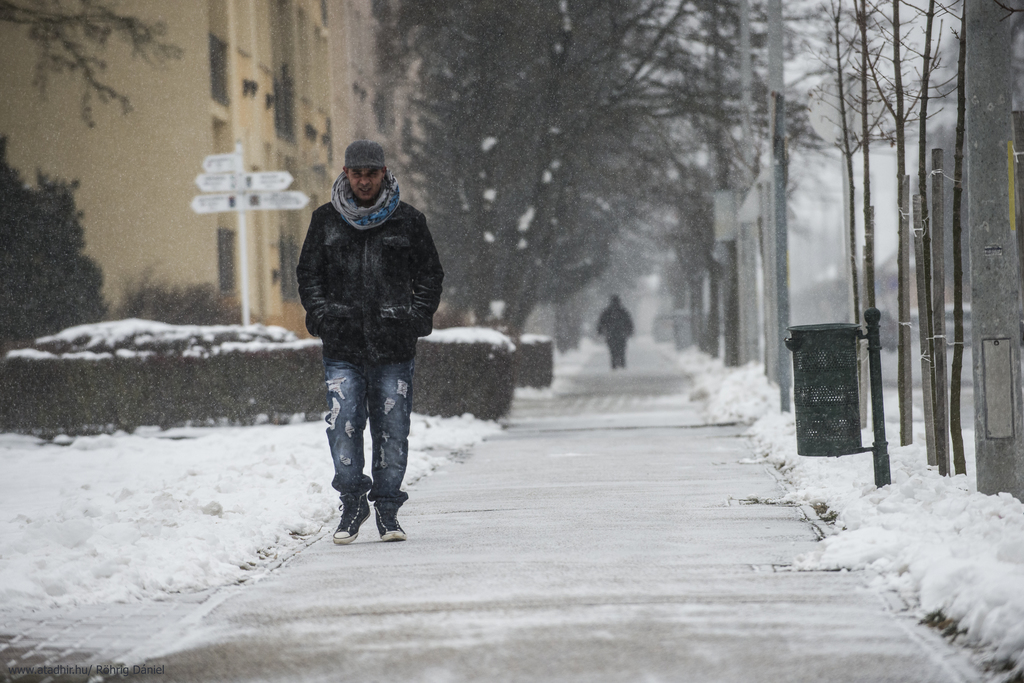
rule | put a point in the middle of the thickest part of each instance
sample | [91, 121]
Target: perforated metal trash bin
[825, 391]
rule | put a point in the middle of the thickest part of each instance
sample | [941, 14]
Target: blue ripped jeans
[384, 394]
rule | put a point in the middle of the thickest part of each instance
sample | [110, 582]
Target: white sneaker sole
[392, 536]
[345, 540]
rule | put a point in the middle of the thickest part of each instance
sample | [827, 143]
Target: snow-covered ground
[129, 516]
[955, 556]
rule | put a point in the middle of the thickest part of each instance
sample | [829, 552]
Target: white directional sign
[249, 201]
[268, 180]
[221, 163]
[240, 192]
[216, 182]
[274, 201]
[226, 182]
[214, 203]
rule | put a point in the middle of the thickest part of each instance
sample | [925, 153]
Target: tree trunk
[923, 326]
[939, 411]
[956, 430]
[848, 156]
[865, 146]
[925, 313]
[904, 382]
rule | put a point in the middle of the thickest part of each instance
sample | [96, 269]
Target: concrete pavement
[606, 535]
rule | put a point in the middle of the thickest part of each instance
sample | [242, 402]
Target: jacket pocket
[396, 252]
[335, 310]
[409, 320]
[396, 242]
[400, 312]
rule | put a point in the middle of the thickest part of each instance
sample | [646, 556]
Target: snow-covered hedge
[465, 370]
[535, 361]
[133, 337]
[127, 373]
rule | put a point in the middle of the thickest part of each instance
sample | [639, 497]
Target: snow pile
[123, 517]
[737, 395]
[530, 339]
[954, 555]
[134, 338]
[470, 335]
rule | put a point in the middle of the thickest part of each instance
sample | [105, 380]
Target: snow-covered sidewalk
[955, 556]
[124, 517]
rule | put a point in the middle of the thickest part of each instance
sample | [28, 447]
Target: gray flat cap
[364, 154]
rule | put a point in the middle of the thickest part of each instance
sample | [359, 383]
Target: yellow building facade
[258, 72]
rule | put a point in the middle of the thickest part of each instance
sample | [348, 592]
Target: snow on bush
[124, 517]
[954, 555]
[139, 338]
[471, 335]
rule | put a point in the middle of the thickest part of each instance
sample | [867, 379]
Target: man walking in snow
[370, 281]
[616, 326]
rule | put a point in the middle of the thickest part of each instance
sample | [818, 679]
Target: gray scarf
[364, 218]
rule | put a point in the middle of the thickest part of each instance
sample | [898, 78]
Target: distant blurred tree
[72, 34]
[538, 132]
[48, 284]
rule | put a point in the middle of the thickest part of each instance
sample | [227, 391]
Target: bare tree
[533, 128]
[864, 15]
[894, 95]
[848, 145]
[955, 421]
[73, 39]
[1009, 10]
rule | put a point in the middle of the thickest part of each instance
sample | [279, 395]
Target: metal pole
[746, 80]
[746, 238]
[771, 318]
[880, 450]
[243, 248]
[781, 244]
[731, 303]
[940, 409]
[746, 261]
[776, 82]
[995, 308]
[777, 88]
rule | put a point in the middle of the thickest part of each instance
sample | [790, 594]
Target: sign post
[232, 189]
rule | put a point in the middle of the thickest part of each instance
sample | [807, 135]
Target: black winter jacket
[369, 294]
[615, 323]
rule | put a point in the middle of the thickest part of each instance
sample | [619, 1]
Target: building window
[219, 69]
[222, 143]
[289, 250]
[284, 104]
[226, 261]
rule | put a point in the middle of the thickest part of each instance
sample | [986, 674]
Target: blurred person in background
[616, 326]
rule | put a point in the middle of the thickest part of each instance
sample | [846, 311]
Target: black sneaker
[353, 514]
[387, 524]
